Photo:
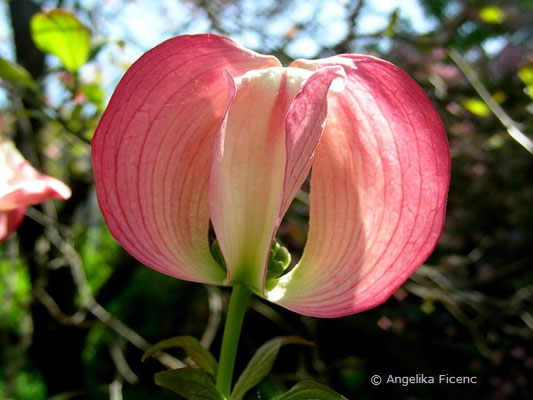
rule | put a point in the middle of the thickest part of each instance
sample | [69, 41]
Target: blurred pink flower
[201, 129]
[448, 73]
[21, 185]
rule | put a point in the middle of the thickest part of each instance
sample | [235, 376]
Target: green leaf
[495, 142]
[526, 75]
[393, 23]
[16, 74]
[60, 33]
[309, 390]
[492, 15]
[202, 357]
[96, 48]
[261, 364]
[191, 383]
[94, 94]
[477, 107]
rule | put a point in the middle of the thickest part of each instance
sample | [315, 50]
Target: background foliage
[76, 311]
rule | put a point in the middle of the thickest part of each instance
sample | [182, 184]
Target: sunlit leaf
[28, 385]
[477, 107]
[492, 15]
[97, 247]
[428, 306]
[393, 23]
[16, 74]
[499, 97]
[60, 33]
[96, 48]
[309, 390]
[94, 94]
[15, 285]
[202, 357]
[190, 383]
[261, 364]
[495, 142]
[526, 75]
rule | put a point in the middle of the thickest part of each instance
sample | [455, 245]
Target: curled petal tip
[378, 193]
[21, 186]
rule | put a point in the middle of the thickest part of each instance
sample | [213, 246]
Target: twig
[131, 336]
[87, 299]
[215, 316]
[453, 308]
[117, 355]
[115, 389]
[482, 91]
[352, 19]
[76, 319]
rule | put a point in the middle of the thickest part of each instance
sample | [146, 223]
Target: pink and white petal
[304, 126]
[29, 187]
[10, 221]
[248, 174]
[22, 185]
[378, 192]
[152, 151]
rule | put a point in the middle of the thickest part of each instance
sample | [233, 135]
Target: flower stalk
[230, 339]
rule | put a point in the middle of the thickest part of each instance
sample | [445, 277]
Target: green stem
[232, 331]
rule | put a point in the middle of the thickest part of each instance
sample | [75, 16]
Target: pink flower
[201, 129]
[21, 185]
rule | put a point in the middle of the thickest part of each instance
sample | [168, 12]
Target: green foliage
[202, 357]
[477, 107]
[94, 94]
[353, 374]
[16, 74]
[309, 390]
[492, 15]
[190, 383]
[148, 290]
[28, 385]
[261, 364]
[393, 23]
[15, 292]
[60, 33]
[95, 340]
[99, 252]
[526, 75]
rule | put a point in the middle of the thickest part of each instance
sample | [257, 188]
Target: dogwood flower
[201, 130]
[21, 185]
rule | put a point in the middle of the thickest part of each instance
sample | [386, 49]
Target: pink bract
[21, 185]
[201, 129]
